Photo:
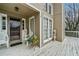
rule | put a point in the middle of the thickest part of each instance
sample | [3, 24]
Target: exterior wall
[58, 20]
[41, 7]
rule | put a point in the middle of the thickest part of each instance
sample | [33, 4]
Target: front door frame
[20, 26]
[23, 30]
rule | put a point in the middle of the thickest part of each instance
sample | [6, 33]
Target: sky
[69, 9]
[71, 4]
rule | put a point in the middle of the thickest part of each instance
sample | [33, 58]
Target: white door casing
[24, 30]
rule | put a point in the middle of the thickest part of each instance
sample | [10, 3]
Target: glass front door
[14, 30]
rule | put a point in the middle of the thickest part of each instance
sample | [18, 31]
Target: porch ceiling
[23, 9]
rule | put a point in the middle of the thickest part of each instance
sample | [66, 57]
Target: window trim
[49, 38]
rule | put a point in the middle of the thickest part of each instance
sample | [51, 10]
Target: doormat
[15, 44]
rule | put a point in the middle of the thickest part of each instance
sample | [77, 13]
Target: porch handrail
[72, 33]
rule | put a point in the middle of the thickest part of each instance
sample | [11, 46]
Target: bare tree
[71, 17]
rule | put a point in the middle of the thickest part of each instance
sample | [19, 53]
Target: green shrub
[35, 40]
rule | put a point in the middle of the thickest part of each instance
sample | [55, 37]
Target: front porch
[69, 47]
[20, 21]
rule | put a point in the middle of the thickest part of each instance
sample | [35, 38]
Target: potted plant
[33, 41]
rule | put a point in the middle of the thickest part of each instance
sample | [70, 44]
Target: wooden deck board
[69, 47]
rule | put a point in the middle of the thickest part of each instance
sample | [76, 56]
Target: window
[23, 24]
[49, 9]
[3, 23]
[50, 28]
[47, 29]
[46, 8]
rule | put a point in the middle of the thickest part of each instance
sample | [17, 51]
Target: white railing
[72, 33]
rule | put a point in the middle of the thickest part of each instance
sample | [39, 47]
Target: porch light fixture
[16, 8]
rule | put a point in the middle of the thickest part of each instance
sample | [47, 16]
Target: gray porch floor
[69, 47]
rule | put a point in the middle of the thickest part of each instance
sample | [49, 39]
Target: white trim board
[40, 30]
